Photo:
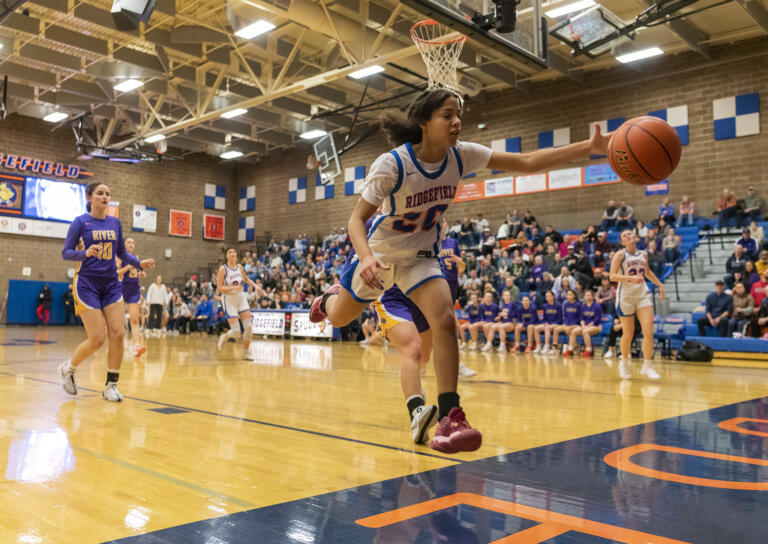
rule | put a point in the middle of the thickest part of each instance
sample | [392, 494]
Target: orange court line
[733, 425]
[552, 523]
[621, 460]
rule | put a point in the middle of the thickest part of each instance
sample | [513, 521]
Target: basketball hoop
[312, 162]
[440, 48]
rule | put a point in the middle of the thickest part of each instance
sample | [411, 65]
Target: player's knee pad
[234, 332]
[247, 329]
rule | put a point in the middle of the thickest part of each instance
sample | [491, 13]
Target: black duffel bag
[696, 352]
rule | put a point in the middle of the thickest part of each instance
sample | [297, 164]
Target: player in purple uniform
[94, 239]
[529, 318]
[505, 322]
[553, 318]
[473, 324]
[571, 319]
[488, 312]
[591, 324]
[129, 279]
[629, 268]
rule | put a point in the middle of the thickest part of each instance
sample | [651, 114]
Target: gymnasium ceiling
[66, 55]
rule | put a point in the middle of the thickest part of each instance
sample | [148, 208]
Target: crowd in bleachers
[520, 256]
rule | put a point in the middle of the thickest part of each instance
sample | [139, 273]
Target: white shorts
[628, 305]
[407, 277]
[234, 304]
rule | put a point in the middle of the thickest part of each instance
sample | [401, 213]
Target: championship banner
[533, 183]
[113, 209]
[11, 195]
[470, 191]
[144, 218]
[660, 188]
[213, 227]
[302, 326]
[180, 223]
[268, 322]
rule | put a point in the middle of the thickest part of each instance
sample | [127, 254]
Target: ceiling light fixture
[231, 154]
[312, 134]
[570, 8]
[155, 138]
[254, 29]
[55, 117]
[234, 113]
[639, 55]
[128, 85]
[365, 72]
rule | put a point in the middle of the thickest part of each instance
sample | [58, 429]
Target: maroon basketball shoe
[316, 314]
[454, 434]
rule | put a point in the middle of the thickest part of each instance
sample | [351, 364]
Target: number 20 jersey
[409, 224]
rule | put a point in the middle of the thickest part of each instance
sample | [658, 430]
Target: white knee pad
[248, 329]
[234, 332]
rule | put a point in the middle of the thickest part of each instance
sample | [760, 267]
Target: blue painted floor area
[564, 483]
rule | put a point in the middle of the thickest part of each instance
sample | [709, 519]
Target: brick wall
[165, 185]
[626, 91]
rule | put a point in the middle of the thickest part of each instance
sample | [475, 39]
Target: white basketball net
[440, 48]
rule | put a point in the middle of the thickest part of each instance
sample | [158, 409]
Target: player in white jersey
[231, 280]
[415, 183]
[629, 267]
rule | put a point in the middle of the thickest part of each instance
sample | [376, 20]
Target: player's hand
[142, 274]
[599, 143]
[146, 264]
[662, 293]
[369, 272]
[93, 251]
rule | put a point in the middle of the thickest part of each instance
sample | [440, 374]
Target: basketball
[644, 150]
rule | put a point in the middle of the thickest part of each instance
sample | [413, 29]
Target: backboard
[526, 45]
[587, 31]
[327, 158]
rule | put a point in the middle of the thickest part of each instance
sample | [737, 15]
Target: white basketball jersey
[233, 276]
[409, 225]
[633, 265]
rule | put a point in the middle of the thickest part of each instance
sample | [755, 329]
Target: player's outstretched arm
[544, 159]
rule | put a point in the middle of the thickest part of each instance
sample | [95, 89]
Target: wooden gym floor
[318, 432]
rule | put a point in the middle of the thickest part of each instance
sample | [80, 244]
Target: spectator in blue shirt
[203, 317]
[667, 211]
[719, 307]
[749, 245]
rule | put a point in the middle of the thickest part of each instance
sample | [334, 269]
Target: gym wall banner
[39, 166]
[268, 322]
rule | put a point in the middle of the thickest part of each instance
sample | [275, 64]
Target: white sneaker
[488, 347]
[465, 371]
[222, 339]
[175, 333]
[553, 350]
[502, 348]
[423, 418]
[462, 345]
[364, 342]
[649, 370]
[565, 348]
[608, 354]
[111, 393]
[472, 346]
[538, 349]
[545, 349]
[624, 371]
[67, 374]
[247, 355]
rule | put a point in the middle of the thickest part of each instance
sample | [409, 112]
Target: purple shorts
[131, 292]
[394, 307]
[95, 293]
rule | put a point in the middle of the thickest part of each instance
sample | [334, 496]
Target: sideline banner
[268, 322]
[302, 326]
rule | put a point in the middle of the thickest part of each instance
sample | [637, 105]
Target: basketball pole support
[357, 111]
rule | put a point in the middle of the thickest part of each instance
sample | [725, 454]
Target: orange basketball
[644, 150]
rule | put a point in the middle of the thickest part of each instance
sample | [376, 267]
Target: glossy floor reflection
[311, 437]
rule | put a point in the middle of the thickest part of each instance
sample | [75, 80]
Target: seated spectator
[756, 232]
[640, 230]
[528, 319]
[591, 323]
[515, 221]
[455, 229]
[759, 289]
[480, 223]
[606, 297]
[561, 295]
[735, 266]
[753, 206]
[662, 229]
[719, 307]
[615, 333]
[749, 245]
[625, 216]
[687, 210]
[601, 250]
[761, 265]
[551, 320]
[536, 274]
[671, 246]
[727, 208]
[571, 320]
[750, 275]
[467, 235]
[652, 241]
[667, 211]
[582, 270]
[608, 220]
[528, 222]
[550, 259]
[590, 239]
[473, 325]
[564, 273]
[509, 285]
[203, 316]
[546, 285]
[504, 232]
[760, 320]
[743, 307]
[505, 322]
[556, 237]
